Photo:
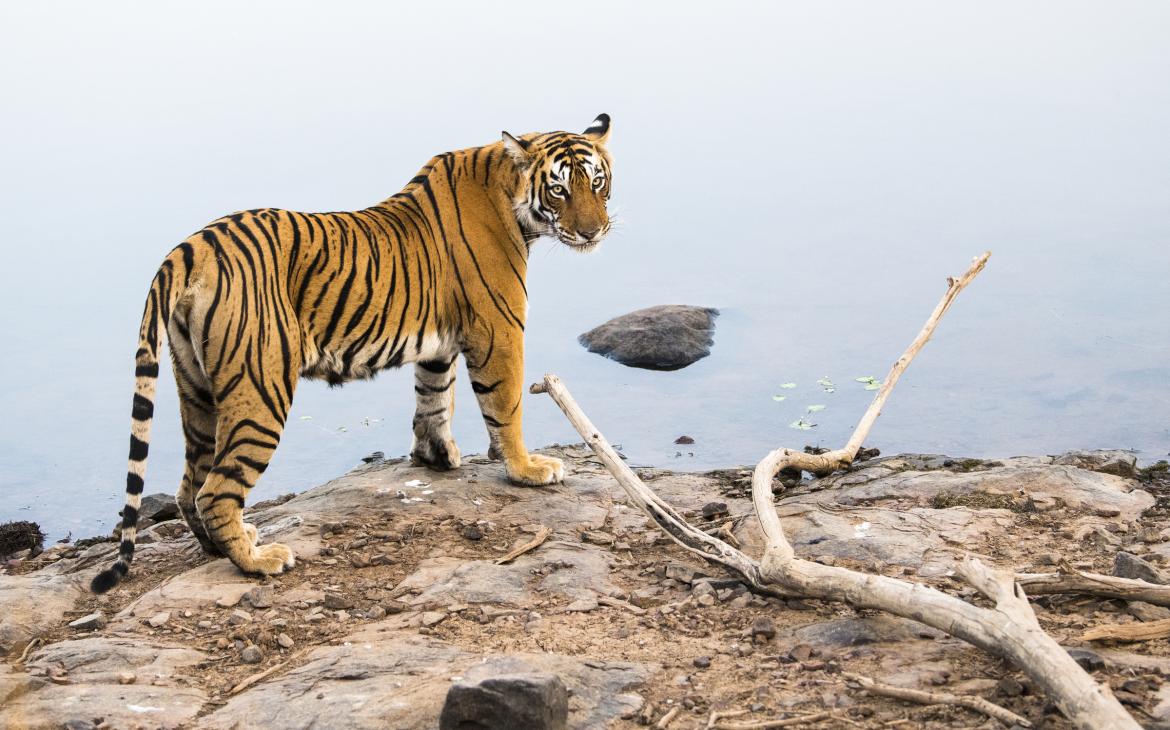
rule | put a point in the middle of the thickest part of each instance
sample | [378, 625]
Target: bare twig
[668, 718]
[977, 704]
[250, 680]
[1137, 631]
[619, 603]
[541, 535]
[715, 717]
[786, 722]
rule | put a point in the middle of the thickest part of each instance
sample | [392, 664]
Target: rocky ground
[397, 594]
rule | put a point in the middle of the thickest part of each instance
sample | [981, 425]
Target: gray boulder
[667, 337]
[538, 701]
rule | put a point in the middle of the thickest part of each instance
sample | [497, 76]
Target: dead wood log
[1136, 631]
[1094, 584]
[1008, 629]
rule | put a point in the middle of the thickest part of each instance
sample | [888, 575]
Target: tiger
[438, 270]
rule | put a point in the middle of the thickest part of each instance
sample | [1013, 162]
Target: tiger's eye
[558, 190]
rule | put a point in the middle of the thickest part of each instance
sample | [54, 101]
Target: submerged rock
[666, 337]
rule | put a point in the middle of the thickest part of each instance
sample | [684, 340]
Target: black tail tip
[106, 580]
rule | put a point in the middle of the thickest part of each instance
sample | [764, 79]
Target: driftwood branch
[978, 704]
[1094, 584]
[1137, 631]
[1008, 629]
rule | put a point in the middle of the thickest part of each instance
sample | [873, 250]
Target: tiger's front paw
[539, 470]
[440, 454]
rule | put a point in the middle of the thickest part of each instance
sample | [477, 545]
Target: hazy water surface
[813, 171]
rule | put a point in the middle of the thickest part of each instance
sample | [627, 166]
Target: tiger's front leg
[497, 377]
[434, 387]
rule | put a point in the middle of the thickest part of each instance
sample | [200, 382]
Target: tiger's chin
[579, 245]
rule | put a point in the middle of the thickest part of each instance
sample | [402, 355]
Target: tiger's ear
[598, 131]
[517, 149]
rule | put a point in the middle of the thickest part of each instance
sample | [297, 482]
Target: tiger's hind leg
[199, 432]
[434, 387]
[249, 419]
[197, 411]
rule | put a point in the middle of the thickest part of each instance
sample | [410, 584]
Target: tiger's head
[564, 184]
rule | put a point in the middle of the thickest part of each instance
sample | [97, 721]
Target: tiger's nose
[588, 233]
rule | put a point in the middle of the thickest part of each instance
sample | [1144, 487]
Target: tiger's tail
[155, 316]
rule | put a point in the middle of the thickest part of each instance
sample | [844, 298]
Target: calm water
[814, 172]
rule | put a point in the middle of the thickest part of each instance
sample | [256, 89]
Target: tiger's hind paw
[539, 471]
[271, 559]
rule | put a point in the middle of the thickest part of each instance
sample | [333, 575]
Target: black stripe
[227, 495]
[259, 466]
[481, 389]
[491, 421]
[143, 408]
[138, 448]
[129, 516]
[134, 483]
[146, 371]
[424, 389]
[436, 366]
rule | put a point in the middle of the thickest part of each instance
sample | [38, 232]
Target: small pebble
[159, 619]
[285, 641]
[702, 662]
[471, 532]
[251, 655]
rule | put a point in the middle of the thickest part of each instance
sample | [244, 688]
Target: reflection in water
[813, 172]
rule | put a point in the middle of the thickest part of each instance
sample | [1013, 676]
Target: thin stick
[247, 682]
[619, 603]
[786, 722]
[977, 704]
[541, 535]
[668, 718]
[715, 717]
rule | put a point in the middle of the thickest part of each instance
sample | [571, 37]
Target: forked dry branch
[1008, 628]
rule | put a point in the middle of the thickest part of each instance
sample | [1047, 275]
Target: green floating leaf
[788, 386]
[825, 382]
[343, 429]
[866, 379]
[801, 424]
[816, 409]
[306, 418]
[873, 386]
[779, 398]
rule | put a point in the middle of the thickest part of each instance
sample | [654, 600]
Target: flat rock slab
[32, 604]
[666, 337]
[398, 680]
[120, 706]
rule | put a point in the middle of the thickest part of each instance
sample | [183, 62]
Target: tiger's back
[258, 299]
